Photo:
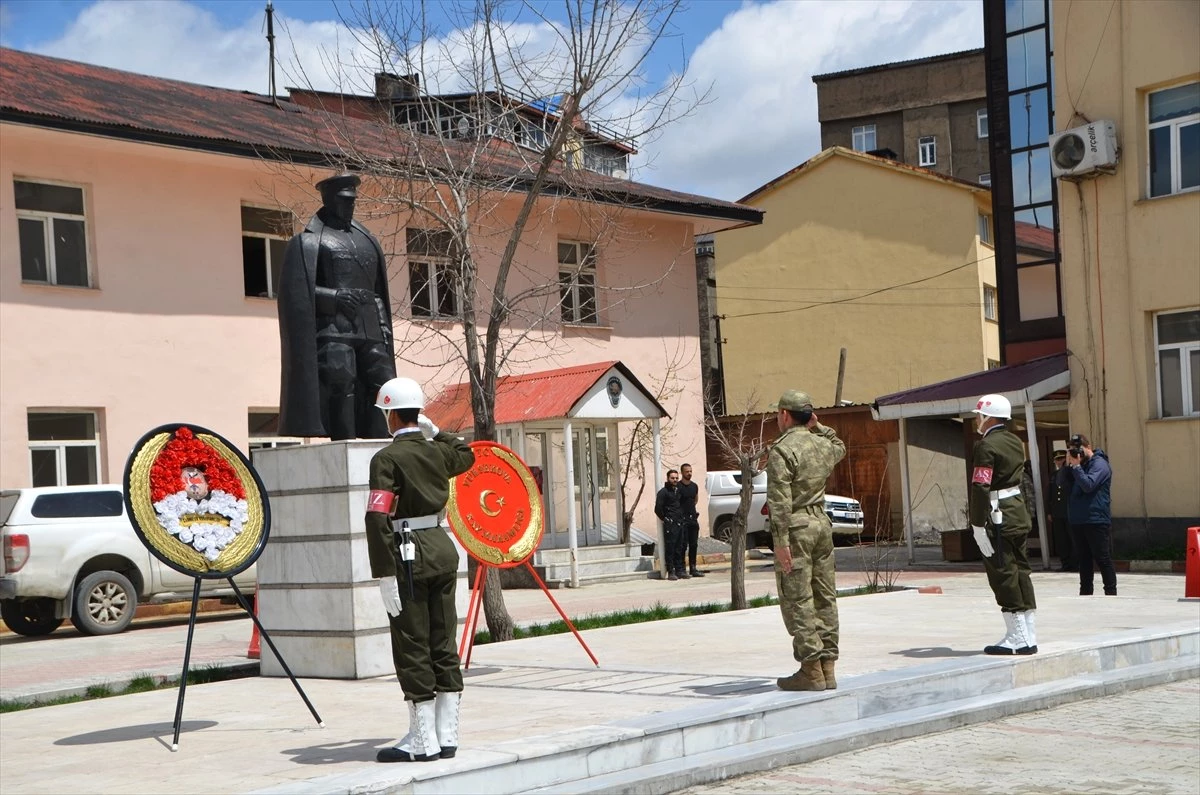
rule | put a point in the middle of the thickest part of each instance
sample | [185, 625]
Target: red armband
[982, 476]
[380, 501]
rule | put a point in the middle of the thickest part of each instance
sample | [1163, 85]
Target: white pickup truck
[724, 490]
[70, 552]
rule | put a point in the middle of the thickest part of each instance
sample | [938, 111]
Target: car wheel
[723, 530]
[104, 603]
[31, 617]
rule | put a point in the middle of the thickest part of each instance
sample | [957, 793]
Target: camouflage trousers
[808, 596]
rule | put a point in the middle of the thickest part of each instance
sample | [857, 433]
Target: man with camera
[1087, 478]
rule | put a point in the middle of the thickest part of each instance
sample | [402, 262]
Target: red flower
[185, 450]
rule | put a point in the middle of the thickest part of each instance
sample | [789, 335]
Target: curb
[120, 682]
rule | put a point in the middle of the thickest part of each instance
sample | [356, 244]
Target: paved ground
[1147, 741]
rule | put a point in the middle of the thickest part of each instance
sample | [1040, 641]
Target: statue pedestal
[316, 596]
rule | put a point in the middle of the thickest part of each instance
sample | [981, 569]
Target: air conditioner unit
[1083, 151]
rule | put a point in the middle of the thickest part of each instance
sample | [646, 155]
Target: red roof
[1035, 238]
[533, 397]
[66, 95]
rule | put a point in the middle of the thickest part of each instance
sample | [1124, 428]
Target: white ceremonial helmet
[400, 393]
[994, 406]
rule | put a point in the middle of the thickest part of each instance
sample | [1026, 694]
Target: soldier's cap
[1060, 454]
[793, 400]
[344, 184]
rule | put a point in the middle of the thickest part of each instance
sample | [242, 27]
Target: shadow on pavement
[334, 753]
[144, 731]
[744, 687]
[926, 652]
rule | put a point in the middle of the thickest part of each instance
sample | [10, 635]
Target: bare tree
[485, 132]
[744, 448]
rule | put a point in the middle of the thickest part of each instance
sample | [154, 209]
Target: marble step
[546, 557]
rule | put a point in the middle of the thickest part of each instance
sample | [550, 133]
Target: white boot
[446, 706]
[421, 742]
[1014, 641]
[1030, 629]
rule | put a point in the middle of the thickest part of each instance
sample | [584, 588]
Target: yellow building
[1130, 243]
[889, 261]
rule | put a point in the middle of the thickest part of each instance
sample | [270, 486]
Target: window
[432, 283]
[1174, 116]
[78, 505]
[983, 223]
[603, 462]
[863, 138]
[985, 178]
[265, 236]
[927, 146]
[264, 431]
[52, 233]
[1177, 337]
[981, 124]
[989, 302]
[64, 448]
[577, 282]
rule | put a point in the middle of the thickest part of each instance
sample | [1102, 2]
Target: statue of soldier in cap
[798, 465]
[335, 323]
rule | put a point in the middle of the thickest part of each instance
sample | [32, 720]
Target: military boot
[809, 677]
[1014, 640]
[446, 707]
[421, 742]
[827, 669]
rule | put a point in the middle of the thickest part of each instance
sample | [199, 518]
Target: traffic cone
[255, 650]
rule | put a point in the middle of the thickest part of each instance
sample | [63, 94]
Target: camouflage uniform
[797, 467]
[998, 463]
[418, 472]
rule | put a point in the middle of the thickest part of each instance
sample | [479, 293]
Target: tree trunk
[495, 612]
[737, 542]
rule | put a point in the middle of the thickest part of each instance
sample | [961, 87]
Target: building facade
[929, 112]
[1130, 245]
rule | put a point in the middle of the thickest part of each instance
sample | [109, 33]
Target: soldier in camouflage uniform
[798, 465]
[410, 484]
[997, 504]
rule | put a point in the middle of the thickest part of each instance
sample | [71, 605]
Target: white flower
[207, 537]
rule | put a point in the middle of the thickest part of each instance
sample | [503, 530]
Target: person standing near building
[1088, 478]
[996, 504]
[1058, 516]
[689, 495]
[417, 566]
[798, 466]
[668, 508]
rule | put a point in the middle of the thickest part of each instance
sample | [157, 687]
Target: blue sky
[755, 60]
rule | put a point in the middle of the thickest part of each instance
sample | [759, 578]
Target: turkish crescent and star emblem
[495, 508]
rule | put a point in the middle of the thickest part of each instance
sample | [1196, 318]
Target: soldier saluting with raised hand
[417, 566]
[996, 503]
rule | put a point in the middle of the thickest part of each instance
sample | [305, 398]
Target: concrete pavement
[537, 712]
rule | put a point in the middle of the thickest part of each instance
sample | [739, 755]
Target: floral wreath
[215, 513]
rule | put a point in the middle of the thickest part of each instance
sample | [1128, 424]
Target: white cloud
[761, 119]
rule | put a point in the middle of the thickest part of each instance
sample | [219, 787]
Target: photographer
[1087, 478]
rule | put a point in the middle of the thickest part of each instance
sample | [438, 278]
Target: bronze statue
[335, 323]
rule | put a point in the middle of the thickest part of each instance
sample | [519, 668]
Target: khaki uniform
[418, 472]
[997, 465]
[798, 466]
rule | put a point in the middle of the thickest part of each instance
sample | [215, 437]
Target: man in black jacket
[689, 494]
[667, 507]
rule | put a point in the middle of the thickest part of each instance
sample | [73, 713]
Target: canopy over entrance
[1023, 384]
[564, 425]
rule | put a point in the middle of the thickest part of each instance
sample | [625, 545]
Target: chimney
[392, 87]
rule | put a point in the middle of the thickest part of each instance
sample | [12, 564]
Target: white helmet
[994, 406]
[400, 393]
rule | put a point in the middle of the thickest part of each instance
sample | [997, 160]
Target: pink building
[138, 236]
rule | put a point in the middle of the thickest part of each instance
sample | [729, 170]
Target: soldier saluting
[996, 504]
[417, 566]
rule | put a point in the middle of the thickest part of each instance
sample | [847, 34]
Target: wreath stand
[187, 656]
[468, 639]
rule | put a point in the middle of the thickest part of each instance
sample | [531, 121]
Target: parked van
[70, 552]
[724, 491]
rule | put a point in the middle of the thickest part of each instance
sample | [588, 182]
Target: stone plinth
[316, 596]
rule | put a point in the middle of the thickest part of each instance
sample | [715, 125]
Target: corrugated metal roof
[60, 94]
[1010, 378]
[532, 397]
[1038, 239]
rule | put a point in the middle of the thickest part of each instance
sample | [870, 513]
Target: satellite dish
[620, 173]
[464, 127]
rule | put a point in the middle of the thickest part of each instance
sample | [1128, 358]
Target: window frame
[986, 179]
[272, 289]
[991, 303]
[265, 441]
[59, 447]
[981, 124]
[1174, 125]
[585, 263]
[864, 130]
[46, 218]
[983, 224]
[923, 142]
[434, 264]
[1189, 401]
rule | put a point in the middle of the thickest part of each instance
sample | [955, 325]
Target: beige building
[929, 112]
[863, 253]
[1130, 246]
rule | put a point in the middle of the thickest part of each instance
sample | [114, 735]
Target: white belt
[1004, 493]
[418, 522]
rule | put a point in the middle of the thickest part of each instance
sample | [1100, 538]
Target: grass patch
[142, 683]
[1163, 552]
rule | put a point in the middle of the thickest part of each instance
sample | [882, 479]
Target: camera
[1075, 447]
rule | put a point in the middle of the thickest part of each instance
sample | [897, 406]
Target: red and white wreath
[197, 495]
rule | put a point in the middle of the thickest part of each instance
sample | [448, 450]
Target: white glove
[428, 429]
[389, 592]
[982, 541]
